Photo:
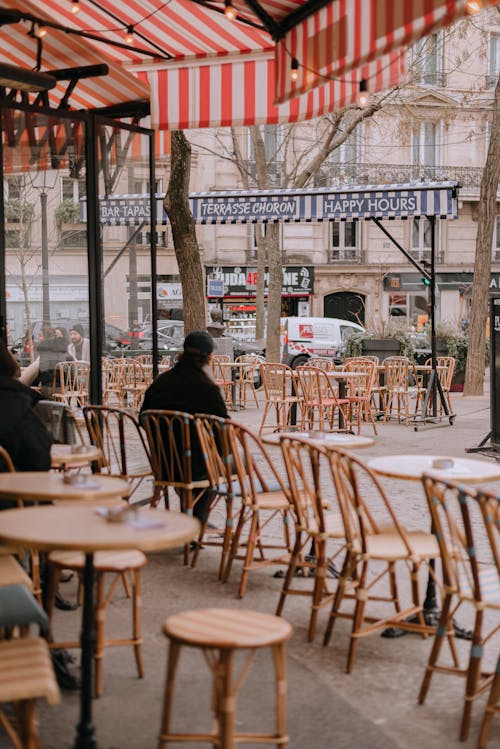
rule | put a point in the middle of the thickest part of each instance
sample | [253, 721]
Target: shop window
[345, 241]
[428, 58]
[493, 61]
[411, 308]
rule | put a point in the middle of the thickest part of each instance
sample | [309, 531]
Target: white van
[302, 337]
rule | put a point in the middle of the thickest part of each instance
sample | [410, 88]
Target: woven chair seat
[104, 561]
[389, 545]
[26, 671]
[227, 628]
[11, 573]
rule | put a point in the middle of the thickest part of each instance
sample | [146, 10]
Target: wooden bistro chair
[264, 499]
[11, 572]
[318, 398]
[314, 526]
[223, 376]
[220, 635]
[361, 391]
[26, 675]
[397, 387]
[120, 438]
[71, 383]
[134, 383]
[445, 367]
[249, 366]
[321, 362]
[467, 525]
[377, 543]
[278, 383]
[106, 563]
[170, 435]
[492, 707]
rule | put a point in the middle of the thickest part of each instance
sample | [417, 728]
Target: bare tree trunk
[474, 372]
[274, 294]
[259, 149]
[186, 247]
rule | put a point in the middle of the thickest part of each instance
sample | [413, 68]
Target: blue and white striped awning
[437, 199]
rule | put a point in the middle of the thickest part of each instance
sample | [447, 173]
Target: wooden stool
[26, 674]
[117, 562]
[219, 632]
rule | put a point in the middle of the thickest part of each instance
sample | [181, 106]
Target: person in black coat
[22, 433]
[188, 387]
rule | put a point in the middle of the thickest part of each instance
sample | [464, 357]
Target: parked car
[171, 338]
[115, 338]
[302, 337]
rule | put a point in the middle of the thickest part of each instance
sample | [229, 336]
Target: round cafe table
[73, 456]
[81, 528]
[44, 486]
[328, 440]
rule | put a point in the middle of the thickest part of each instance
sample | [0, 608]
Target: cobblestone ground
[373, 707]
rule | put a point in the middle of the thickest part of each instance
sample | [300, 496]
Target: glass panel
[46, 253]
[126, 234]
[335, 234]
[350, 234]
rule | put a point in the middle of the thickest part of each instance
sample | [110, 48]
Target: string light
[363, 96]
[40, 31]
[129, 36]
[473, 6]
[294, 69]
[229, 11]
[75, 6]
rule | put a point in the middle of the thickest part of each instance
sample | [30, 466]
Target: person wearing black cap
[188, 387]
[79, 348]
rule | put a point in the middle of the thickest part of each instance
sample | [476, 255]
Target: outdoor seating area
[302, 504]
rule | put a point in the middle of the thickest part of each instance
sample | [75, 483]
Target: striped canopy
[203, 70]
[437, 199]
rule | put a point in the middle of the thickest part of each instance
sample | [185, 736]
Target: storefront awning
[204, 70]
[262, 206]
[344, 203]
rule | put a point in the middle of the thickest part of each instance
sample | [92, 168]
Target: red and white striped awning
[206, 71]
[60, 50]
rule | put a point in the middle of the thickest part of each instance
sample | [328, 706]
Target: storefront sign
[168, 291]
[128, 210]
[241, 281]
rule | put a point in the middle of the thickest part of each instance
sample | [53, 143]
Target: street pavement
[374, 707]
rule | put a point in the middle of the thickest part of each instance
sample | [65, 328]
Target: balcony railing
[334, 175]
[346, 255]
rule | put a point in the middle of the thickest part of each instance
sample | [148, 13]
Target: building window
[496, 239]
[345, 242]
[425, 151]
[144, 238]
[428, 61]
[272, 136]
[421, 240]
[73, 189]
[493, 61]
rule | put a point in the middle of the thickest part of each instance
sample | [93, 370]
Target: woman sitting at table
[22, 433]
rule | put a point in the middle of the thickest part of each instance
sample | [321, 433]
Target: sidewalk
[372, 708]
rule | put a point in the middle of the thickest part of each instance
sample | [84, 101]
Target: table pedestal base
[85, 732]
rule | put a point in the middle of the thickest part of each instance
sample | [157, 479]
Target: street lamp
[43, 181]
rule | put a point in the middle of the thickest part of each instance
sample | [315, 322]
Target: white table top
[46, 486]
[411, 467]
[63, 455]
[81, 528]
[328, 440]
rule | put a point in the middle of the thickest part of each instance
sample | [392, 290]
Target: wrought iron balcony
[335, 175]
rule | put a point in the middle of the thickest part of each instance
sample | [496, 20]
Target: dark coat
[22, 433]
[187, 388]
[52, 351]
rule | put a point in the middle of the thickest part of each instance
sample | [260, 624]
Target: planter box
[381, 347]
[457, 383]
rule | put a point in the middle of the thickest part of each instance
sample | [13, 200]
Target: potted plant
[392, 339]
[68, 212]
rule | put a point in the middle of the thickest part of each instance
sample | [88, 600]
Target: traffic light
[426, 281]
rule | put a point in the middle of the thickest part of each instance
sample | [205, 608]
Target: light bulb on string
[129, 36]
[75, 6]
[473, 6]
[363, 96]
[229, 11]
[294, 69]
[40, 31]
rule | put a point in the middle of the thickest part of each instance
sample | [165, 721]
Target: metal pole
[45, 261]
[432, 220]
